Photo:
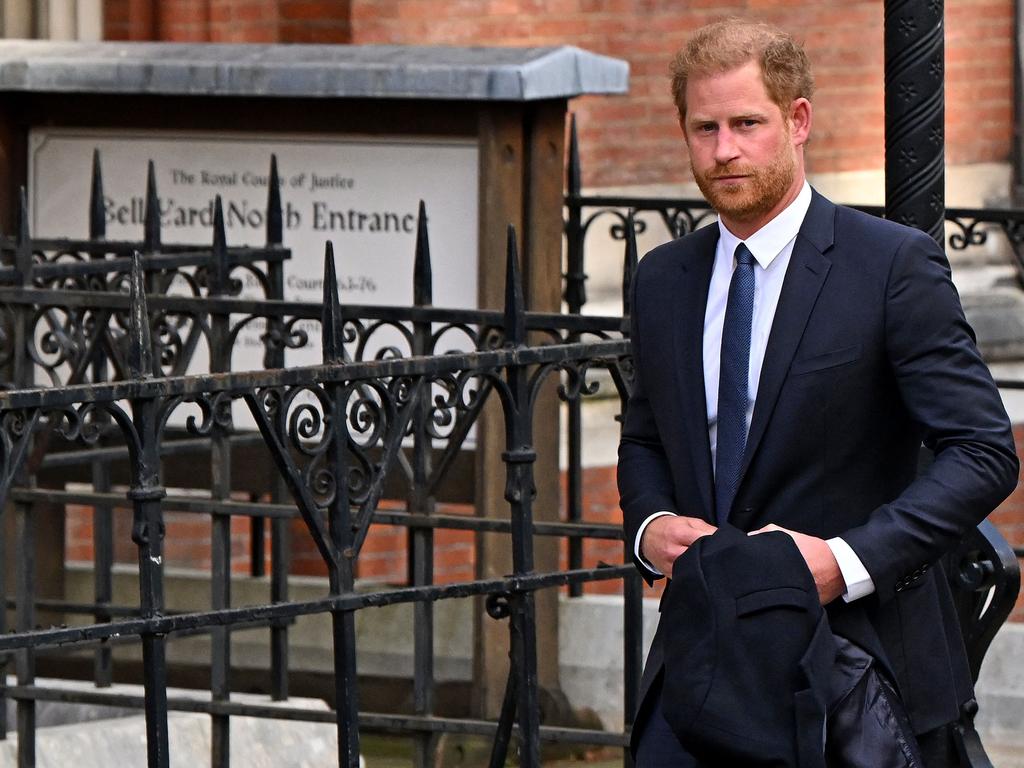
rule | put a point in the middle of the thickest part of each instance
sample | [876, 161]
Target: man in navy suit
[790, 362]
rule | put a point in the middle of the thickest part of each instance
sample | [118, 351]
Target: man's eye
[706, 127]
[749, 123]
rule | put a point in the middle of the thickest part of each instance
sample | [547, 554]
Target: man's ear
[800, 118]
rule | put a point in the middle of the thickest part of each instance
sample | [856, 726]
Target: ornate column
[914, 114]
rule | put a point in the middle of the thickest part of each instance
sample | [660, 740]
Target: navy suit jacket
[869, 356]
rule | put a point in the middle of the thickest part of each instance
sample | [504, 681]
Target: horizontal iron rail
[991, 215]
[283, 711]
[203, 505]
[101, 247]
[123, 264]
[304, 310]
[164, 625]
[173, 447]
[472, 363]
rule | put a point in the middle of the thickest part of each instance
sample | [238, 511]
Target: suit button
[748, 510]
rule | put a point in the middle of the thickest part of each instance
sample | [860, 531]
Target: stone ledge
[121, 740]
[318, 71]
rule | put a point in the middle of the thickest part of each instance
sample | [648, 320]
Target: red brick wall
[634, 139]
[979, 77]
[183, 20]
[228, 21]
[315, 21]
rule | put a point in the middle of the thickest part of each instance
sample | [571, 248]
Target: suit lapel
[688, 324]
[807, 271]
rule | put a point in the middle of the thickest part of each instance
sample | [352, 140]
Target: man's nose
[726, 149]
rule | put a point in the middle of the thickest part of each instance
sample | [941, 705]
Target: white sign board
[360, 193]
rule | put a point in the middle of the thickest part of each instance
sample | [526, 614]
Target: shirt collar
[769, 240]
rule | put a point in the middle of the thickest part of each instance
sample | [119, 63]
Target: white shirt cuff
[639, 537]
[858, 580]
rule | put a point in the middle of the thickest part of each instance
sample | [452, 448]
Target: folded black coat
[753, 674]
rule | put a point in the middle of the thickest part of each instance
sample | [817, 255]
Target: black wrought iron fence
[114, 347]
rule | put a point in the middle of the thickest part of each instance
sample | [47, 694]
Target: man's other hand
[667, 537]
[820, 561]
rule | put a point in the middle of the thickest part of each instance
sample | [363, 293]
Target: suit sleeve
[644, 478]
[949, 393]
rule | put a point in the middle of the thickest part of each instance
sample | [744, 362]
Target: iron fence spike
[140, 365]
[515, 311]
[629, 262]
[575, 286]
[97, 209]
[275, 217]
[422, 278]
[151, 238]
[575, 177]
[217, 273]
[333, 344]
[23, 252]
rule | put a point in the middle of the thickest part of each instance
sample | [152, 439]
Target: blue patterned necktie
[733, 391]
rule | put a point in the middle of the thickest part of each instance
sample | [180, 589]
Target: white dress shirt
[772, 247]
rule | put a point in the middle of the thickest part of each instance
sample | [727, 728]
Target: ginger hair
[726, 45]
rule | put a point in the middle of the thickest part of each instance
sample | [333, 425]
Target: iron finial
[151, 236]
[515, 305]
[331, 334]
[275, 218]
[97, 209]
[140, 356]
[422, 276]
[574, 181]
[217, 272]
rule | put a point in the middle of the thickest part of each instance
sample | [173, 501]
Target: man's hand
[667, 537]
[820, 561]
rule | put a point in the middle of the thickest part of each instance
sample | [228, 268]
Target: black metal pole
[421, 540]
[341, 566]
[280, 528]
[147, 524]
[102, 514]
[519, 457]
[914, 115]
[25, 578]
[632, 585]
[25, 621]
[217, 278]
[575, 298]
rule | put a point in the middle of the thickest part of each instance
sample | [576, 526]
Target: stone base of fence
[88, 736]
